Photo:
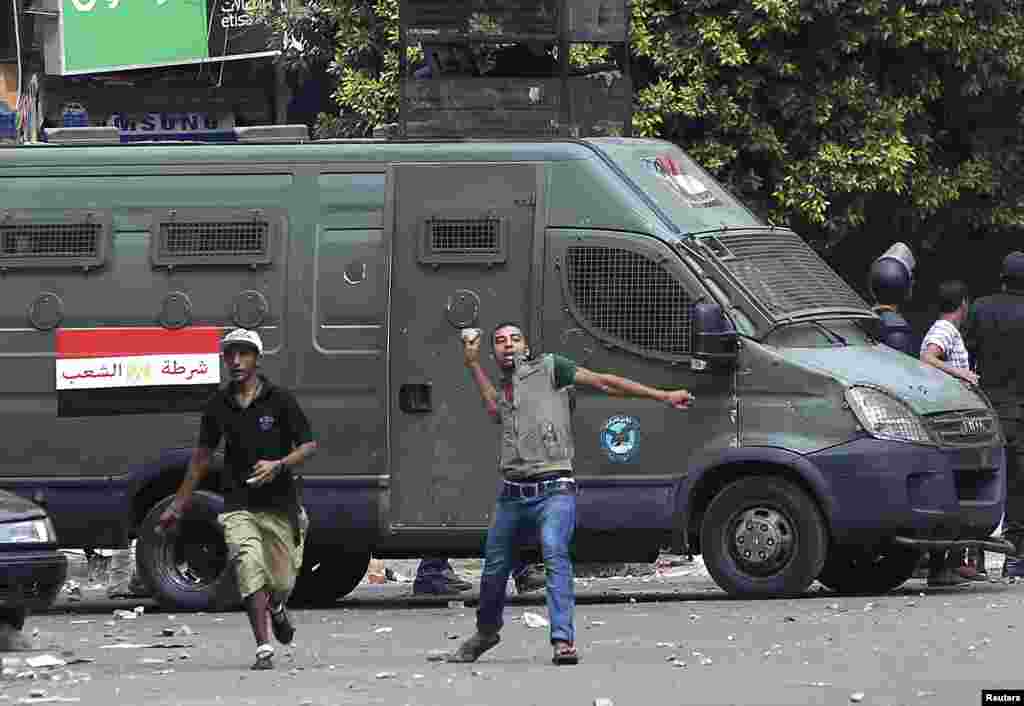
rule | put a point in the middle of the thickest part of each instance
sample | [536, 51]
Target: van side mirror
[715, 340]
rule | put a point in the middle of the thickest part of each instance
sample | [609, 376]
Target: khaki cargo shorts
[261, 546]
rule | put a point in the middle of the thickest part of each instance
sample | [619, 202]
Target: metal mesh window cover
[465, 235]
[51, 240]
[213, 239]
[785, 275]
[464, 240]
[630, 298]
[201, 239]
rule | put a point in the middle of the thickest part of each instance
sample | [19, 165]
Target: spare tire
[187, 568]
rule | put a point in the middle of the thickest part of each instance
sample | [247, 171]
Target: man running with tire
[266, 436]
[539, 492]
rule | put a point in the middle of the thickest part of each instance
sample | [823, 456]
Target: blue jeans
[517, 521]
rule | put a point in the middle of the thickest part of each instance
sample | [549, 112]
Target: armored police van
[812, 451]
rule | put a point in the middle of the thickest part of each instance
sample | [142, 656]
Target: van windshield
[782, 272]
[688, 195]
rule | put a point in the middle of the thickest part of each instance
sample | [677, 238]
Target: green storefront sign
[109, 35]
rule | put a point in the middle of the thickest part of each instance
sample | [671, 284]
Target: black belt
[515, 489]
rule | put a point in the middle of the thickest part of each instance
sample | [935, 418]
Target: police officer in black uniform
[995, 336]
[891, 280]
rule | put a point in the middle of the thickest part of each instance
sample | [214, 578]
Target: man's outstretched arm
[624, 387]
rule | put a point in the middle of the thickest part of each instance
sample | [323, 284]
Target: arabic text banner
[138, 370]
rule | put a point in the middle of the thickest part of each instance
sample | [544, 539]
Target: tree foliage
[835, 117]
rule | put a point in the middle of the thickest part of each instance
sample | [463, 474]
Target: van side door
[623, 304]
[462, 256]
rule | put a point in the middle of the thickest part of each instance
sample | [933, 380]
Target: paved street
[941, 647]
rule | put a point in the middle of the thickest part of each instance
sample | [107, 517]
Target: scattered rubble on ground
[533, 620]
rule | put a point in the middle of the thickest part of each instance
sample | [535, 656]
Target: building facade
[157, 69]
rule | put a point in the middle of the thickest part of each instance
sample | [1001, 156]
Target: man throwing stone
[266, 436]
[539, 492]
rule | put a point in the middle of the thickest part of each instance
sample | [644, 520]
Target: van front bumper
[998, 546]
[887, 489]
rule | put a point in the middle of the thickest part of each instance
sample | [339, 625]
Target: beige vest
[536, 426]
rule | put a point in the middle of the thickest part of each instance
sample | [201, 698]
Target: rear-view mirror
[715, 340]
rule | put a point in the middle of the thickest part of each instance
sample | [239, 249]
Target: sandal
[565, 653]
[471, 649]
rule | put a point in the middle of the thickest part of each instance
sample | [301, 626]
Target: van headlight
[28, 532]
[885, 417]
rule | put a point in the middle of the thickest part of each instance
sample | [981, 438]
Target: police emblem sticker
[620, 438]
[266, 423]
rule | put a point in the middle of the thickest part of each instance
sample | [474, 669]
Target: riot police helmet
[1013, 269]
[892, 275]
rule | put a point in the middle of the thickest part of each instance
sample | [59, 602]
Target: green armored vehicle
[812, 450]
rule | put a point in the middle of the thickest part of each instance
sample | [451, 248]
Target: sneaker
[947, 577]
[532, 579]
[439, 586]
[281, 624]
[264, 658]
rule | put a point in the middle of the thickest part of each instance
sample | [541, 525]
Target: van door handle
[416, 398]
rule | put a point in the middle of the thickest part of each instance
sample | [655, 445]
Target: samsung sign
[92, 36]
[173, 126]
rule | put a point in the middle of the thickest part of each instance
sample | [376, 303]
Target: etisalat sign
[116, 35]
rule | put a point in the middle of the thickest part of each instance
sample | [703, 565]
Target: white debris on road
[533, 620]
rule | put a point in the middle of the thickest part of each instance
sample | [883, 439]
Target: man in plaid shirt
[943, 346]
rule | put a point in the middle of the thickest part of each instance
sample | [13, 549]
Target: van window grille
[463, 240]
[784, 274]
[199, 239]
[630, 298]
[465, 235]
[50, 240]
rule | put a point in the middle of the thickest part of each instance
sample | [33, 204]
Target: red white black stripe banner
[135, 370]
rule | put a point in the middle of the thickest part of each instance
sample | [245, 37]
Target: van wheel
[860, 570]
[763, 536]
[188, 568]
[328, 576]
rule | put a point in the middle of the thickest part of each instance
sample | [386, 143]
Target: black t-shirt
[268, 429]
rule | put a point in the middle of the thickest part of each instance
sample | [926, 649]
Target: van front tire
[763, 536]
[187, 568]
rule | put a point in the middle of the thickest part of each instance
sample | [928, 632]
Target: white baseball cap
[243, 336]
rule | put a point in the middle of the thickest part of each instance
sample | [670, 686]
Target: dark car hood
[14, 507]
